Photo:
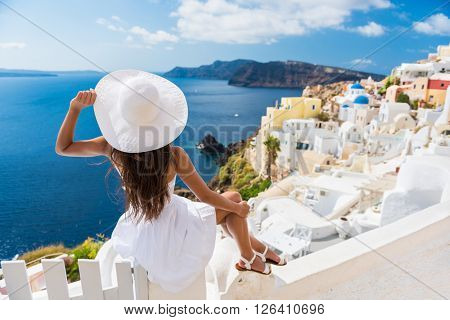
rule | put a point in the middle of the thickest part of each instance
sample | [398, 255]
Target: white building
[302, 134]
[350, 132]
[403, 121]
[389, 110]
[438, 62]
[415, 189]
[443, 121]
[331, 196]
[428, 116]
[442, 53]
[382, 147]
[408, 72]
[326, 144]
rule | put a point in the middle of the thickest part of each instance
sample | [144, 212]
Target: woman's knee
[233, 196]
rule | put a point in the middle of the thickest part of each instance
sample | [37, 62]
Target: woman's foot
[253, 263]
[270, 256]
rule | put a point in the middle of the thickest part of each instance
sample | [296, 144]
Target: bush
[224, 176]
[87, 250]
[255, 189]
[391, 80]
[238, 174]
[323, 116]
[238, 164]
[416, 104]
[48, 251]
[402, 97]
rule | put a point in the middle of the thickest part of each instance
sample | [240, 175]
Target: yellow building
[437, 88]
[292, 108]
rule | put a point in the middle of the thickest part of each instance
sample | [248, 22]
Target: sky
[157, 35]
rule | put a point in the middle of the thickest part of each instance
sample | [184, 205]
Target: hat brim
[164, 129]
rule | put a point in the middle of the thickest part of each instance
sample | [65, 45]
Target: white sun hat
[139, 111]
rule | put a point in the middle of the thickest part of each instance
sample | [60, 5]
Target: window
[442, 84]
[414, 86]
[423, 86]
[313, 107]
[302, 146]
[430, 99]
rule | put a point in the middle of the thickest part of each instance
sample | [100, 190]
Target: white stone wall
[389, 110]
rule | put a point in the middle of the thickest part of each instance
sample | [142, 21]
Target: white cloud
[361, 62]
[116, 18]
[12, 45]
[372, 29]
[147, 38]
[263, 21]
[115, 24]
[101, 21]
[152, 38]
[438, 24]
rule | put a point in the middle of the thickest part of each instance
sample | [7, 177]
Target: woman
[140, 115]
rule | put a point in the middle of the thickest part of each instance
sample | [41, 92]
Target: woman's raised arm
[65, 146]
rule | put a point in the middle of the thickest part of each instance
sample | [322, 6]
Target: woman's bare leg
[256, 244]
[237, 227]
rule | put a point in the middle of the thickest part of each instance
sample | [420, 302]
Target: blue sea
[47, 199]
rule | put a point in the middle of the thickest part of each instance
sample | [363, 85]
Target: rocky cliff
[220, 70]
[293, 74]
[275, 74]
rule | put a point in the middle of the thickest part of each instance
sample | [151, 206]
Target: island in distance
[274, 74]
[14, 73]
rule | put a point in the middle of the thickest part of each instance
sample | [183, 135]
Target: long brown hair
[144, 180]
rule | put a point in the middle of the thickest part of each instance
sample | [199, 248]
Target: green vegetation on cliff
[391, 80]
[237, 174]
[34, 256]
[86, 250]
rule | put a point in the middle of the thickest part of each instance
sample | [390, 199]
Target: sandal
[248, 266]
[283, 260]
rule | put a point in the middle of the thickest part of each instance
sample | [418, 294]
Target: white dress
[176, 247]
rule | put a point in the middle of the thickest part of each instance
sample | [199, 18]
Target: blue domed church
[354, 98]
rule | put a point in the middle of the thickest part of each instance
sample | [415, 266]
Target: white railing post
[91, 282]
[124, 281]
[55, 279]
[16, 279]
[140, 283]
[130, 284]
